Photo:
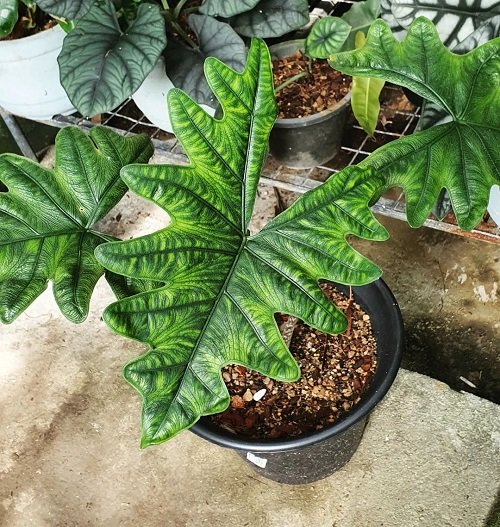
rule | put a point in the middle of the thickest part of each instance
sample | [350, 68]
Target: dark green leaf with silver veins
[47, 219]
[226, 8]
[462, 155]
[222, 287]
[69, 9]
[185, 65]
[453, 21]
[272, 18]
[100, 65]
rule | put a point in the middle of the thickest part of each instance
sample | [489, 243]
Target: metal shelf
[127, 120]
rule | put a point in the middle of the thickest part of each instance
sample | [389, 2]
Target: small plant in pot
[203, 293]
[30, 41]
[313, 99]
[114, 45]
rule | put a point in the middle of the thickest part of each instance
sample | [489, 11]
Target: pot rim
[361, 410]
[31, 38]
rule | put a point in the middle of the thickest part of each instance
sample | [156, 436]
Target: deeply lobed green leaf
[47, 219]
[223, 287]
[461, 156]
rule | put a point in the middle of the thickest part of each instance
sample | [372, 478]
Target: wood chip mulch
[336, 371]
[318, 91]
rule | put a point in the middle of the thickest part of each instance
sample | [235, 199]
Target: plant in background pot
[114, 45]
[30, 42]
[209, 290]
[314, 100]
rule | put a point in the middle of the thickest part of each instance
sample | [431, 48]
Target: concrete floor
[69, 438]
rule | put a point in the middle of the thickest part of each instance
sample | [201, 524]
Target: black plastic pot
[315, 456]
[306, 142]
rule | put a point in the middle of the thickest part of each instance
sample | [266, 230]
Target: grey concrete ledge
[69, 451]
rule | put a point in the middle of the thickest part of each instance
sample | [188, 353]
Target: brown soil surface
[30, 25]
[336, 371]
[319, 90]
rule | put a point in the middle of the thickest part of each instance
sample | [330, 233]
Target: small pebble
[258, 395]
[247, 396]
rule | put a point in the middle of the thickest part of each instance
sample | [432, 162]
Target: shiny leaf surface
[226, 8]
[462, 155]
[365, 95]
[47, 219]
[327, 36]
[272, 18]
[222, 287]
[101, 66]
[69, 9]
[185, 65]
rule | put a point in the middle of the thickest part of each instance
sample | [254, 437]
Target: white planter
[151, 97]
[29, 76]
[494, 204]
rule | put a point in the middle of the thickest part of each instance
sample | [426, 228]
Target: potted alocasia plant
[308, 139]
[167, 39]
[30, 42]
[204, 292]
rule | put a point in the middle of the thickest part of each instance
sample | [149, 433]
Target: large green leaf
[226, 8]
[365, 95]
[462, 155]
[69, 9]
[185, 65]
[272, 18]
[47, 219]
[431, 114]
[222, 287]
[100, 65]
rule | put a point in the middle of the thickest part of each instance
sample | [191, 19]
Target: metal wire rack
[127, 119]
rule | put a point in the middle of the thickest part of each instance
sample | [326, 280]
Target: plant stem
[348, 313]
[178, 9]
[165, 5]
[190, 10]
[290, 80]
[183, 34]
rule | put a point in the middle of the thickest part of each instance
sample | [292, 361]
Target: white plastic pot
[151, 97]
[29, 76]
[494, 204]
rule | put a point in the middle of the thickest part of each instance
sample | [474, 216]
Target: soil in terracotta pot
[319, 90]
[336, 371]
[30, 23]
